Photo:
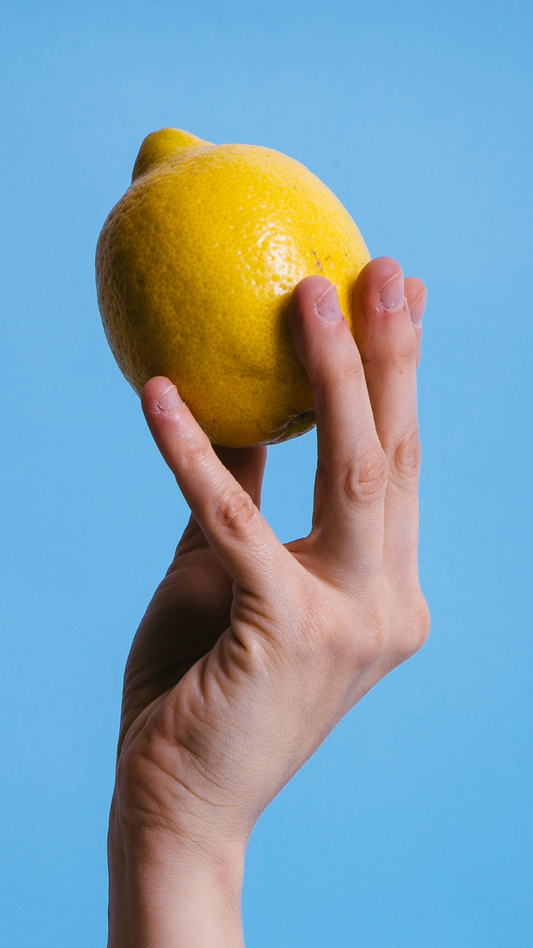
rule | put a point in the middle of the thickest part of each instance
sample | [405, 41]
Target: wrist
[167, 891]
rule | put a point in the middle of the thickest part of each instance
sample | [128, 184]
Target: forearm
[168, 894]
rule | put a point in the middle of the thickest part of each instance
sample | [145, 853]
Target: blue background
[411, 827]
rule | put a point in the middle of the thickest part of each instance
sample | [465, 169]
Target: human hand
[251, 651]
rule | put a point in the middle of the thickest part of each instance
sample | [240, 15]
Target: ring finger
[389, 340]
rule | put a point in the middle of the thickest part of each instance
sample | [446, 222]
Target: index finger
[232, 523]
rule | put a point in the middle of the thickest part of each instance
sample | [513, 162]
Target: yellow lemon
[195, 269]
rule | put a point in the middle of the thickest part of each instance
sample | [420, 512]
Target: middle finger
[352, 472]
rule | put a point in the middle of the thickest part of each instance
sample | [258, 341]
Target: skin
[250, 651]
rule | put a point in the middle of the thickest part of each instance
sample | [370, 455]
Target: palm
[190, 609]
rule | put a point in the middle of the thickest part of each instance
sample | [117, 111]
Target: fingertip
[152, 388]
[166, 416]
[384, 266]
[160, 395]
[378, 270]
[305, 296]
[416, 294]
[372, 278]
[320, 334]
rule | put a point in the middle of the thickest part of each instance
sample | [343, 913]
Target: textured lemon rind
[195, 268]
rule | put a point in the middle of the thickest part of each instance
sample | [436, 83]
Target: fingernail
[417, 309]
[327, 305]
[169, 400]
[392, 293]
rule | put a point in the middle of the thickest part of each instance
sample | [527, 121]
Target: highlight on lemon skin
[196, 265]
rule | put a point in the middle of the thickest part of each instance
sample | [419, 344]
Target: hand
[252, 651]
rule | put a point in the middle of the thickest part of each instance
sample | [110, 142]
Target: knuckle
[339, 372]
[236, 512]
[366, 479]
[421, 622]
[400, 354]
[360, 643]
[193, 452]
[348, 643]
[415, 628]
[351, 369]
[405, 460]
[403, 352]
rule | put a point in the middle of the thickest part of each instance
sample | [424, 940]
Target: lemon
[195, 269]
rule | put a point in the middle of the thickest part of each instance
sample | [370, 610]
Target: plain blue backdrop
[411, 827]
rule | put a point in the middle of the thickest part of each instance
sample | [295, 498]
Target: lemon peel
[195, 269]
